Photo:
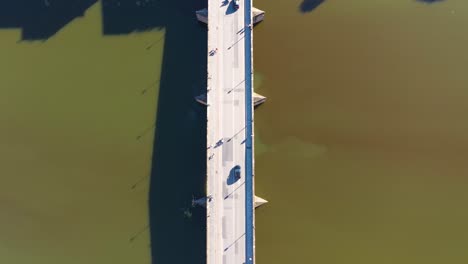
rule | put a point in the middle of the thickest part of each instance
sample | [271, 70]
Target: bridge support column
[259, 201]
[202, 15]
[201, 99]
[201, 201]
[258, 99]
[257, 14]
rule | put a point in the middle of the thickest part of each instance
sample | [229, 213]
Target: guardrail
[249, 162]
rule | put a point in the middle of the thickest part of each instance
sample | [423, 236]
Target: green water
[71, 109]
[102, 144]
[360, 148]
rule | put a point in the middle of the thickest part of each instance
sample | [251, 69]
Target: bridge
[230, 100]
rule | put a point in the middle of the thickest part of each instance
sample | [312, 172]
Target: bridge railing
[249, 155]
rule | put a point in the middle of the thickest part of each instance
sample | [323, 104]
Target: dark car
[236, 4]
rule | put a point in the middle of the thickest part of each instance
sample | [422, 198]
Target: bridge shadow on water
[40, 19]
[310, 5]
[179, 152]
[177, 230]
[429, 1]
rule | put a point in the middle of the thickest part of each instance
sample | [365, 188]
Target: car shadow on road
[225, 3]
[231, 8]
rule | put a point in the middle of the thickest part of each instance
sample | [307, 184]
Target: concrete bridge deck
[230, 101]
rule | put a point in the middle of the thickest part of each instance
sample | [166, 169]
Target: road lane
[226, 135]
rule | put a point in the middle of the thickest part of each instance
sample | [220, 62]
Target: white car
[236, 4]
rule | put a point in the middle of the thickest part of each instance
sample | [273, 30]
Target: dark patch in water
[429, 1]
[310, 5]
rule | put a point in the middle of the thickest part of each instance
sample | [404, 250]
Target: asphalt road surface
[226, 134]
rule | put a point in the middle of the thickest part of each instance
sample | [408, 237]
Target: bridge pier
[259, 201]
[199, 202]
[257, 99]
[257, 15]
[201, 99]
[202, 201]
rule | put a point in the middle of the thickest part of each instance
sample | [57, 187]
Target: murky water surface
[77, 113]
[362, 144]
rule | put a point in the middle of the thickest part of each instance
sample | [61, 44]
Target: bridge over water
[230, 99]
